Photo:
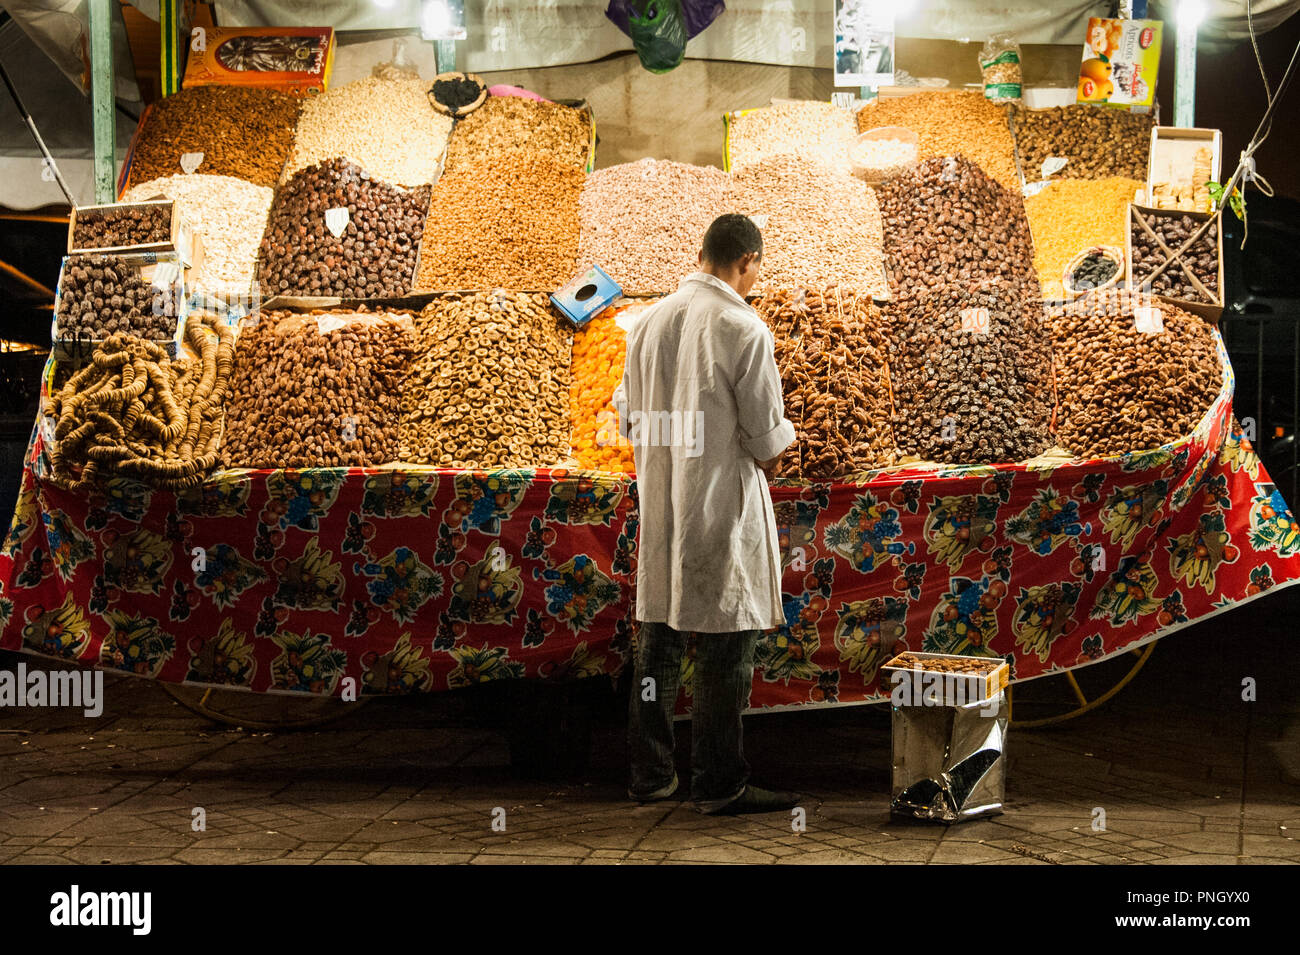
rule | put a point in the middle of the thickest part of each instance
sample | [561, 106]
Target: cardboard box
[182, 241]
[920, 687]
[586, 295]
[1210, 311]
[290, 59]
[1120, 63]
[165, 271]
[1172, 160]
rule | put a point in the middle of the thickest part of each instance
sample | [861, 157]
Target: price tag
[1033, 188]
[190, 162]
[328, 323]
[1053, 164]
[1149, 320]
[759, 220]
[337, 219]
[975, 320]
[165, 275]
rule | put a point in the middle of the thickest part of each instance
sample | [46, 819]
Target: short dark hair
[731, 236]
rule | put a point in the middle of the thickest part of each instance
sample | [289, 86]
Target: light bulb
[1191, 12]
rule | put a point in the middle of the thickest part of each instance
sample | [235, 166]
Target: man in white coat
[701, 404]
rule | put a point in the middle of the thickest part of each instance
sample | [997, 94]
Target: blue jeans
[724, 671]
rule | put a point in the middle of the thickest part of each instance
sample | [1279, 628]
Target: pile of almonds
[373, 256]
[490, 384]
[830, 350]
[963, 395]
[515, 124]
[947, 223]
[317, 390]
[1122, 389]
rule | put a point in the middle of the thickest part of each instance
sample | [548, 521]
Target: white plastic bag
[1000, 65]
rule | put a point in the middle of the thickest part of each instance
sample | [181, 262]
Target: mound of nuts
[241, 131]
[642, 222]
[106, 228]
[1123, 389]
[971, 372]
[386, 126]
[133, 412]
[1098, 141]
[952, 122]
[231, 215]
[909, 661]
[831, 352]
[373, 257]
[819, 227]
[811, 129]
[490, 384]
[100, 295]
[318, 390]
[948, 223]
[515, 124]
[1194, 276]
[510, 221]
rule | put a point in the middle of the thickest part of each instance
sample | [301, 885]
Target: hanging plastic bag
[1000, 64]
[660, 28]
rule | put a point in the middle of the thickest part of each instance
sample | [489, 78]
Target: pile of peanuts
[375, 254]
[490, 384]
[511, 222]
[229, 213]
[820, 227]
[1098, 141]
[599, 350]
[1122, 389]
[1194, 276]
[317, 390]
[830, 350]
[242, 131]
[812, 130]
[122, 225]
[947, 222]
[948, 123]
[963, 395]
[642, 222]
[515, 124]
[386, 126]
[133, 412]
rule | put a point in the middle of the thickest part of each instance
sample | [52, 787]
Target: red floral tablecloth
[413, 579]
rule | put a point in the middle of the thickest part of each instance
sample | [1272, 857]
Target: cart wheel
[1060, 697]
[261, 711]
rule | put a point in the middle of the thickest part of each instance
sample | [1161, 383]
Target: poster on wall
[1120, 61]
[864, 43]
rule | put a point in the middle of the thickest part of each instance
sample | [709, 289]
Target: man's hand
[769, 466]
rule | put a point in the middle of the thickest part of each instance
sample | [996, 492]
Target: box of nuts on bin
[1194, 281]
[100, 295]
[942, 679]
[153, 226]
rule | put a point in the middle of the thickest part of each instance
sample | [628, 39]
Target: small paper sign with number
[337, 219]
[759, 220]
[975, 320]
[1149, 321]
[1053, 164]
[190, 162]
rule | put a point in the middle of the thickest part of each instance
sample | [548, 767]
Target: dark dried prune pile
[1201, 260]
[122, 225]
[101, 294]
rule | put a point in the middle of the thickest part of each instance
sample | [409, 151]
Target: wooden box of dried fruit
[943, 679]
[99, 295]
[1194, 283]
[152, 227]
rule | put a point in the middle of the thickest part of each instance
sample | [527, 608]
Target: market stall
[364, 453]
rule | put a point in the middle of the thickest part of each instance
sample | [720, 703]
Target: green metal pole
[1185, 64]
[446, 53]
[101, 98]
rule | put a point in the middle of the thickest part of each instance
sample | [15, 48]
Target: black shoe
[659, 795]
[755, 799]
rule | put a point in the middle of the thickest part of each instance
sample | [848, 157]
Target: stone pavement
[1185, 771]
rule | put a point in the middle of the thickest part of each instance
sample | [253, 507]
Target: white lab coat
[701, 402]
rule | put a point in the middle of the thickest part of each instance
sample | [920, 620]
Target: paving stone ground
[1184, 770]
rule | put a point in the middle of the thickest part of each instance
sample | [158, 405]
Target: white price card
[190, 162]
[759, 220]
[328, 323]
[975, 320]
[165, 275]
[1149, 320]
[337, 219]
[1053, 164]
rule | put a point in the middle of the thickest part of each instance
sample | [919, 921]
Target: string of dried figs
[373, 255]
[1122, 389]
[947, 223]
[490, 385]
[971, 370]
[318, 390]
[133, 412]
[122, 225]
[831, 352]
